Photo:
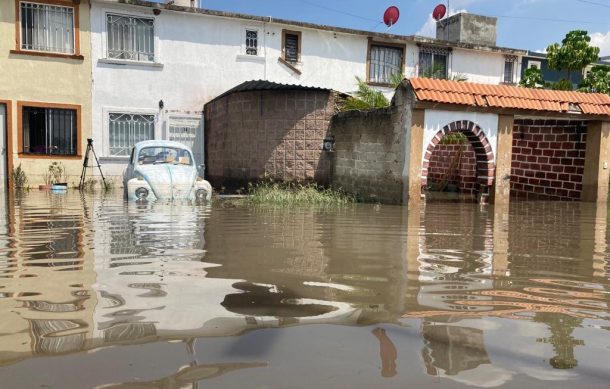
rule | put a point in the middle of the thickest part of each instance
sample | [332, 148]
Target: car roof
[160, 143]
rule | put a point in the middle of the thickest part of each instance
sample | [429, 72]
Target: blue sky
[523, 24]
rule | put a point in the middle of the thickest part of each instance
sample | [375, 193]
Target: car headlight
[141, 193]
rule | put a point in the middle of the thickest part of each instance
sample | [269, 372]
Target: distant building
[540, 61]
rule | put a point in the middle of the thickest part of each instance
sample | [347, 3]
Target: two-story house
[156, 65]
[45, 86]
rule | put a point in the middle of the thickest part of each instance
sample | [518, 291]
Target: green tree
[574, 53]
[597, 80]
[366, 97]
[532, 78]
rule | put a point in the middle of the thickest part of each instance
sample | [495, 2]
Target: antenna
[391, 16]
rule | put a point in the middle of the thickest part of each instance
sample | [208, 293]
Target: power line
[594, 3]
[339, 11]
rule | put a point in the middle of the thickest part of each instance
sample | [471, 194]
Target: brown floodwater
[99, 293]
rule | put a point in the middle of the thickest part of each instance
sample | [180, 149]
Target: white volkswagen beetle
[160, 169]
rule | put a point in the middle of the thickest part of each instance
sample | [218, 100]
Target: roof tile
[511, 97]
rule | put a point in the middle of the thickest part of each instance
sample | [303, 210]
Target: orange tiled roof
[504, 96]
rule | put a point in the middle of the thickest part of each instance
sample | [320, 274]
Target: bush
[290, 194]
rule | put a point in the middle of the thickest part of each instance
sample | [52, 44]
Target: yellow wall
[45, 80]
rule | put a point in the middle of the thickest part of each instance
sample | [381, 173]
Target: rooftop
[509, 97]
[269, 19]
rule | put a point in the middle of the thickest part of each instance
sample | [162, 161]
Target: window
[130, 38]
[534, 64]
[384, 62]
[49, 131]
[46, 28]
[187, 130]
[509, 70]
[433, 62]
[251, 42]
[291, 46]
[126, 129]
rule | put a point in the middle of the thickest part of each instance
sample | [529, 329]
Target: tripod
[86, 165]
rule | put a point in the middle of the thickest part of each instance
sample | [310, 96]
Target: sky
[522, 24]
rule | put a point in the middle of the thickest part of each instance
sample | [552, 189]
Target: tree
[532, 78]
[574, 53]
[597, 80]
[366, 97]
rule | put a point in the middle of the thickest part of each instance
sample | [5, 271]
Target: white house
[156, 65]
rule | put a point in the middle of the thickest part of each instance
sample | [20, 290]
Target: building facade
[45, 86]
[156, 65]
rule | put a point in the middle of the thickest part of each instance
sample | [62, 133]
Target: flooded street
[99, 293]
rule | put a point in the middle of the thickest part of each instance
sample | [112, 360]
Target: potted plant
[46, 176]
[57, 172]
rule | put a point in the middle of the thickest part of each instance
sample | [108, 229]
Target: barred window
[433, 62]
[49, 131]
[48, 28]
[127, 129]
[385, 62]
[291, 47]
[509, 70]
[131, 38]
[251, 42]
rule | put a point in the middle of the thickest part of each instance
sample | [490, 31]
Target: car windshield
[162, 154]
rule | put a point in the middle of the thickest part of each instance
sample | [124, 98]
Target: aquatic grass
[287, 194]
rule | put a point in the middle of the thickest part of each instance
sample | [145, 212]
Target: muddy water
[95, 292]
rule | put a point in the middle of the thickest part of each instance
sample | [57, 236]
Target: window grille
[49, 131]
[125, 130]
[189, 132]
[251, 42]
[130, 38]
[433, 62]
[291, 47]
[385, 63]
[509, 70]
[46, 27]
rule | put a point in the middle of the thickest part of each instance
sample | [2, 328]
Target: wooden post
[597, 158]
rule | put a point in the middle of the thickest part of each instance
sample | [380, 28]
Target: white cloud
[429, 28]
[602, 41]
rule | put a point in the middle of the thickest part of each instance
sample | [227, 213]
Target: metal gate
[3, 151]
[188, 130]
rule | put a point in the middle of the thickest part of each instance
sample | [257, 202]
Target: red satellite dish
[391, 15]
[439, 12]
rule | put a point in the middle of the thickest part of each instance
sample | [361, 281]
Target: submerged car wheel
[201, 195]
[141, 193]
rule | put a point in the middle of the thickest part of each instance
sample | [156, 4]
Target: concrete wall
[45, 79]
[468, 28]
[548, 159]
[277, 134]
[369, 154]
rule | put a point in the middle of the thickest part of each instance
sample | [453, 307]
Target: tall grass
[290, 194]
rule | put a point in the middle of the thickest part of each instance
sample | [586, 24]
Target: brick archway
[482, 148]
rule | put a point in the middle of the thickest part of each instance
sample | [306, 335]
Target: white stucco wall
[435, 120]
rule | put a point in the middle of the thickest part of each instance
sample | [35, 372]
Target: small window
[47, 28]
[291, 47]
[433, 62]
[251, 42]
[509, 70]
[127, 129]
[385, 62]
[130, 38]
[49, 131]
[534, 64]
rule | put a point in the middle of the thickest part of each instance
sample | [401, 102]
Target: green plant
[57, 172]
[562, 85]
[20, 179]
[454, 138]
[460, 77]
[365, 98]
[532, 78]
[574, 53]
[46, 177]
[438, 71]
[597, 80]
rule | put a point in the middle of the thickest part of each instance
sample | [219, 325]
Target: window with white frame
[187, 130]
[433, 62]
[385, 62]
[46, 27]
[534, 64]
[130, 38]
[509, 69]
[127, 129]
[251, 41]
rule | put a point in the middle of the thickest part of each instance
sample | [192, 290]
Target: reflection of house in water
[47, 307]
[452, 349]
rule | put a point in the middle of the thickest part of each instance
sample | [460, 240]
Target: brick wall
[548, 159]
[464, 177]
[277, 134]
[369, 154]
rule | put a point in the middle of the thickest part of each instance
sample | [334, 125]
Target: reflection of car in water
[161, 169]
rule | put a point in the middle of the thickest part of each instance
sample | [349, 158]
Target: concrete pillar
[415, 144]
[504, 155]
[597, 158]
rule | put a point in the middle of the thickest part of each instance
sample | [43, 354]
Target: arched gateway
[485, 169]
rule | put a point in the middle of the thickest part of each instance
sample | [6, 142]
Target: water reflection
[82, 273]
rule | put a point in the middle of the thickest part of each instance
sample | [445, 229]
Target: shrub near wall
[548, 159]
